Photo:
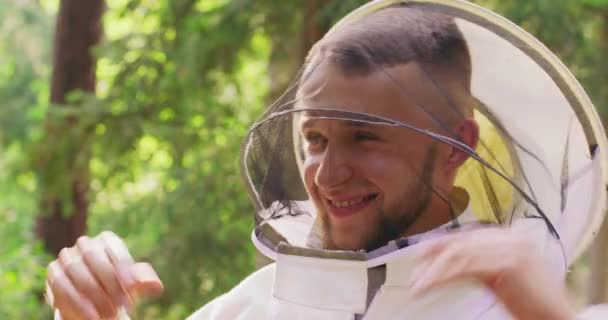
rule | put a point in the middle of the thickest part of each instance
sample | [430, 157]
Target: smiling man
[376, 183]
[384, 124]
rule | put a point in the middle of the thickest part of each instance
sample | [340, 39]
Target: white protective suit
[302, 288]
[530, 97]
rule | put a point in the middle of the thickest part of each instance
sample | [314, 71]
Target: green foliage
[179, 83]
[24, 73]
[181, 92]
[601, 4]
[577, 31]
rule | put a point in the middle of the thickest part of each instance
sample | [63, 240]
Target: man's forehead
[406, 93]
[329, 88]
[325, 75]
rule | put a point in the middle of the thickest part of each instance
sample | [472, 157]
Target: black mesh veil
[410, 116]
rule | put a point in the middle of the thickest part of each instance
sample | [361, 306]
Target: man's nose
[334, 168]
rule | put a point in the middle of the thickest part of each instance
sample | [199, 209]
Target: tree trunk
[314, 28]
[78, 30]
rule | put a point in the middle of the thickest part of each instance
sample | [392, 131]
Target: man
[371, 182]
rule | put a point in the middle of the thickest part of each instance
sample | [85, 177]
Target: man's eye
[365, 136]
[315, 139]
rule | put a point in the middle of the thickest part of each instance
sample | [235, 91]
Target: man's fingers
[85, 282]
[49, 298]
[139, 279]
[119, 256]
[116, 249]
[95, 257]
[96, 277]
[147, 283]
[66, 298]
[431, 248]
[464, 257]
[434, 272]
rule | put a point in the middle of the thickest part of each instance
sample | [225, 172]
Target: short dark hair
[397, 35]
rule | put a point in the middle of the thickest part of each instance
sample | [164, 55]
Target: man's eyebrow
[357, 124]
[308, 123]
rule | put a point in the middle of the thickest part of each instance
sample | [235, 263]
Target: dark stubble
[415, 201]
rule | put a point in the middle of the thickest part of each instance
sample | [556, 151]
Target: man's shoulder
[247, 299]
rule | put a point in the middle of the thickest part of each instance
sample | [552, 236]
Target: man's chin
[350, 237]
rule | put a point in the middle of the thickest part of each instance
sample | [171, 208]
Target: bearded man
[384, 122]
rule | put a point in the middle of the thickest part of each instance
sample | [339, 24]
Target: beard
[394, 223]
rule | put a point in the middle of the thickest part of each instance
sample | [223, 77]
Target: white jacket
[299, 287]
[254, 298]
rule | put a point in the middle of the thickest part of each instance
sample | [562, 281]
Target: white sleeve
[208, 311]
[598, 312]
[248, 300]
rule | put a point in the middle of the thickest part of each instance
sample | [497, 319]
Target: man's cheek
[310, 171]
[310, 167]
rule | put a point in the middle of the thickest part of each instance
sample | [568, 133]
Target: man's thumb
[144, 283]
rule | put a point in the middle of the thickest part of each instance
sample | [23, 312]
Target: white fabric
[253, 300]
[594, 313]
[326, 289]
[305, 280]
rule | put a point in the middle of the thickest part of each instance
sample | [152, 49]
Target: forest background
[142, 136]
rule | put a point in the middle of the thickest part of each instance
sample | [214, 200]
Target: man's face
[370, 183]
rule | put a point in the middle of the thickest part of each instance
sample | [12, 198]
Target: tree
[64, 156]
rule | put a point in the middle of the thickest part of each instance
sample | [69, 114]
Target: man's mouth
[351, 202]
[350, 206]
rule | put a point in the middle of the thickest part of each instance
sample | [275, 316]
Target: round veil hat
[541, 152]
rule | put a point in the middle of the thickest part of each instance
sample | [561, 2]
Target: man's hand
[96, 277]
[505, 261]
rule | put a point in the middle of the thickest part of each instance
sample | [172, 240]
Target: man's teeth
[342, 204]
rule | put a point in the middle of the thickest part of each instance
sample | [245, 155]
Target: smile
[347, 207]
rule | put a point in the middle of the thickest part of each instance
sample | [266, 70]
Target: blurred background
[142, 135]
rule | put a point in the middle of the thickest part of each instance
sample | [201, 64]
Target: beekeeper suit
[412, 122]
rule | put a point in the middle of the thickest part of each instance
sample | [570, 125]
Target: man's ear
[468, 133]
